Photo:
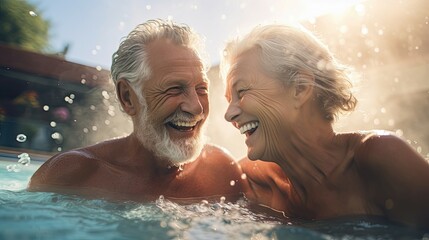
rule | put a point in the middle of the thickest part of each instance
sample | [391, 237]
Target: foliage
[21, 25]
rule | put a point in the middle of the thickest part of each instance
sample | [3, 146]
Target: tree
[22, 26]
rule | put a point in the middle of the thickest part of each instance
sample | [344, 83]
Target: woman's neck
[309, 156]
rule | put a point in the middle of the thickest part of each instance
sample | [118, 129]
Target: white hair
[287, 51]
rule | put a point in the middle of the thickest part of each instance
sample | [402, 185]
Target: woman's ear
[303, 88]
[126, 96]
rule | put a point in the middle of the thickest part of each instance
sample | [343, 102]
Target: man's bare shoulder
[215, 155]
[74, 167]
[65, 169]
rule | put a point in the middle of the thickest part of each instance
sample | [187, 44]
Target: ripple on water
[36, 215]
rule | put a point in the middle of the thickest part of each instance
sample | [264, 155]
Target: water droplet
[24, 159]
[85, 130]
[243, 176]
[13, 168]
[9, 168]
[105, 94]
[364, 30]
[94, 128]
[98, 68]
[53, 124]
[399, 132]
[33, 14]
[83, 81]
[57, 136]
[419, 149]
[376, 121]
[148, 7]
[321, 64]
[163, 224]
[232, 183]
[46, 108]
[21, 138]
[360, 9]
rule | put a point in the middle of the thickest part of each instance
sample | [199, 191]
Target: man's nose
[192, 104]
[232, 112]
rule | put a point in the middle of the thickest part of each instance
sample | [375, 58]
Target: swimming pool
[36, 215]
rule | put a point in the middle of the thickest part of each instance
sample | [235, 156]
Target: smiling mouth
[249, 128]
[183, 126]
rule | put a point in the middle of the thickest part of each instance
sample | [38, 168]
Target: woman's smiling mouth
[249, 128]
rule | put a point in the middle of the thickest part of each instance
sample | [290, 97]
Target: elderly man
[161, 84]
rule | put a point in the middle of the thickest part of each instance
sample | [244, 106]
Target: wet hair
[130, 61]
[288, 52]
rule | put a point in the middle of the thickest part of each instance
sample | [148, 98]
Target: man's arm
[62, 171]
[398, 178]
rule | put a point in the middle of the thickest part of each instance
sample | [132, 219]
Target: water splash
[23, 160]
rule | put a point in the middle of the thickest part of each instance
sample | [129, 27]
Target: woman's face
[260, 106]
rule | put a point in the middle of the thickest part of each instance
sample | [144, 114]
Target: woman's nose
[232, 112]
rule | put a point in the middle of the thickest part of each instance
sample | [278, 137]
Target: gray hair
[287, 52]
[130, 61]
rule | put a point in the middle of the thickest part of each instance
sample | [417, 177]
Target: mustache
[184, 116]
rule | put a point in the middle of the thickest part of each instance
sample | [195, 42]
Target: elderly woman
[285, 89]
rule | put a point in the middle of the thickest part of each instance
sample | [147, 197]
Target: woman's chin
[252, 155]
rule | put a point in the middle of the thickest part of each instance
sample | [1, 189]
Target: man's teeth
[248, 126]
[185, 124]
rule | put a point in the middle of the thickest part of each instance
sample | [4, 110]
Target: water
[36, 215]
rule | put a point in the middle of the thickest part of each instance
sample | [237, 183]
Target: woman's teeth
[249, 127]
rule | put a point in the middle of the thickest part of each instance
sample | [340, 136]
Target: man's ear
[126, 96]
[303, 88]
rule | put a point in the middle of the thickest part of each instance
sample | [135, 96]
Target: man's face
[177, 103]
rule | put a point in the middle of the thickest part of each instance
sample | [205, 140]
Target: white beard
[169, 152]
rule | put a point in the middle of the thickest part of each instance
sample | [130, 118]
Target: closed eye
[174, 90]
[241, 92]
[202, 90]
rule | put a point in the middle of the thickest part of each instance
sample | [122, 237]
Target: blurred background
[55, 92]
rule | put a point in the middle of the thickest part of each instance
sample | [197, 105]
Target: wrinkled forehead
[242, 65]
[163, 52]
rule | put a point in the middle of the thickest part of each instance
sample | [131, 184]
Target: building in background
[41, 100]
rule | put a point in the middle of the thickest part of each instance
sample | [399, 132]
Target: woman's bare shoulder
[380, 147]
